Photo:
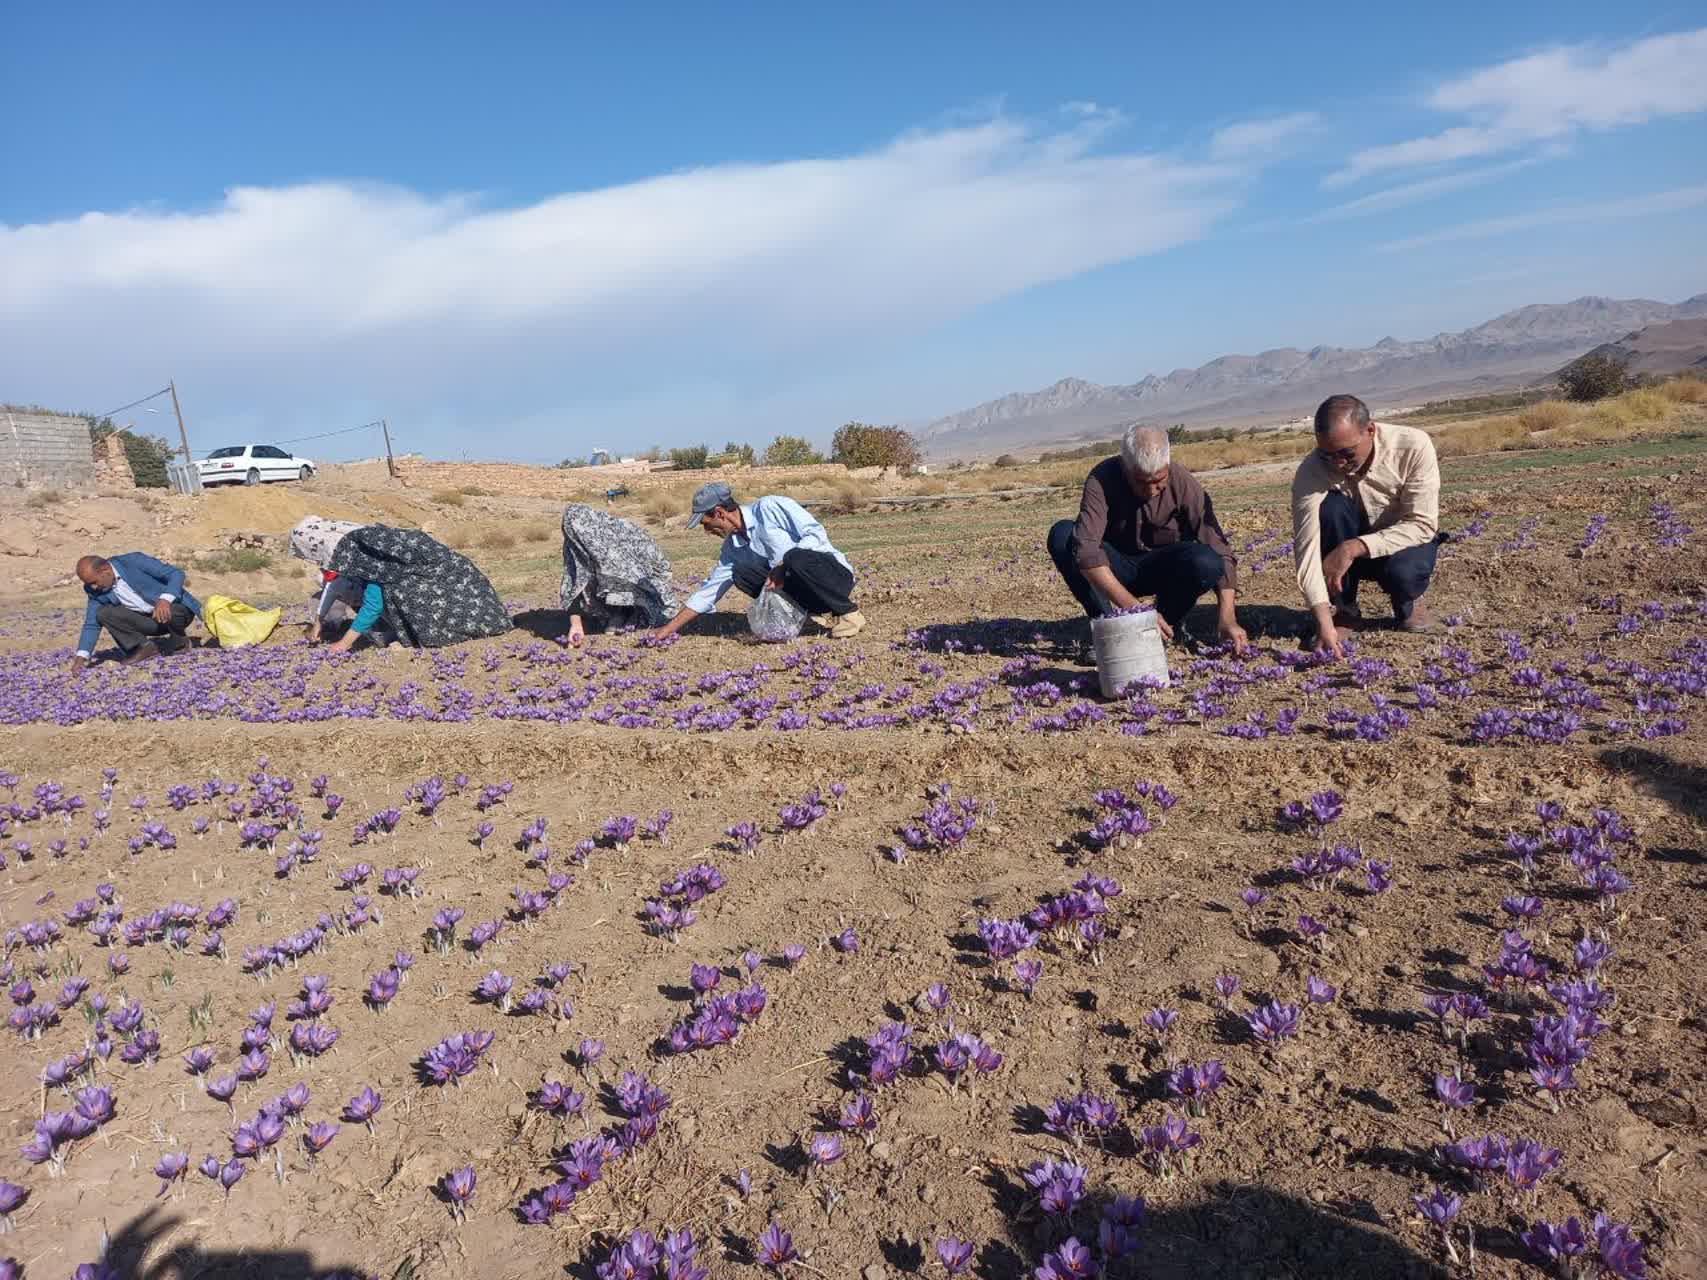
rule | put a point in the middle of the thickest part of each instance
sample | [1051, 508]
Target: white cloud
[1551, 94]
[1650, 205]
[390, 295]
[1424, 189]
[1251, 137]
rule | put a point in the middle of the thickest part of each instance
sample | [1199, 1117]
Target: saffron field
[906, 956]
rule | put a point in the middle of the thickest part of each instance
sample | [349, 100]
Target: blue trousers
[1177, 574]
[1404, 575]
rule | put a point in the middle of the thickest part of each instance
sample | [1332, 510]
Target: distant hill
[1518, 346]
[1661, 348]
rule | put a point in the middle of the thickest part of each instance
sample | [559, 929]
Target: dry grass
[1546, 416]
[662, 505]
[1492, 435]
[45, 498]
[538, 532]
[449, 497]
[474, 491]
[1687, 389]
[498, 539]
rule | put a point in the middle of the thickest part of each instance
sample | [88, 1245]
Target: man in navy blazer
[137, 599]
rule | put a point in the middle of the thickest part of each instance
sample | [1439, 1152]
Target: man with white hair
[1147, 528]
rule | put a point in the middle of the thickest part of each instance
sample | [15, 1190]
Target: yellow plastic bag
[235, 624]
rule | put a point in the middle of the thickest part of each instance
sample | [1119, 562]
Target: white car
[251, 464]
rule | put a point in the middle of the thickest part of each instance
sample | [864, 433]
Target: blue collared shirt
[774, 527]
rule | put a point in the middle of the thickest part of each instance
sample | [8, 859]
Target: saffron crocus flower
[793, 954]
[319, 1137]
[776, 1248]
[704, 978]
[230, 1174]
[1455, 1093]
[1561, 1245]
[825, 1149]
[936, 996]
[955, 1255]
[847, 941]
[1227, 986]
[1196, 1085]
[1161, 1022]
[1440, 1209]
[12, 1198]
[590, 1051]
[458, 1187]
[1273, 1022]
[1620, 1249]
[1070, 1261]
[362, 1108]
[172, 1166]
[1319, 992]
[858, 1114]
[1060, 1186]
[1027, 974]
[1311, 928]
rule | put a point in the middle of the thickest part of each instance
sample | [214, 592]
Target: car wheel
[254, 477]
[305, 474]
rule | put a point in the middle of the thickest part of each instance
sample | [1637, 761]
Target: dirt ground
[969, 676]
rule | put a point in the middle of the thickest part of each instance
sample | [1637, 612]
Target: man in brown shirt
[1147, 528]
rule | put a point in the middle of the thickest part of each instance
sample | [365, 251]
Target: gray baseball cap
[707, 496]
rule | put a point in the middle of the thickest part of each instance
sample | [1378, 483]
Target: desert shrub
[1546, 416]
[235, 560]
[474, 491]
[1491, 435]
[661, 506]
[1592, 377]
[1687, 389]
[45, 498]
[850, 495]
[499, 539]
[859, 444]
[538, 532]
[449, 497]
[791, 451]
[931, 485]
[1007, 460]
[690, 459]
[1646, 405]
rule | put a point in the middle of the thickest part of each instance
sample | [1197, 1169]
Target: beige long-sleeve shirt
[1398, 492]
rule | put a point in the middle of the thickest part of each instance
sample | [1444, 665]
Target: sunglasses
[1339, 455]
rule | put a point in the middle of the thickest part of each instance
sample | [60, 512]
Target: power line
[145, 399]
[342, 431]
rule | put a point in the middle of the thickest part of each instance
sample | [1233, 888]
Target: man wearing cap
[775, 541]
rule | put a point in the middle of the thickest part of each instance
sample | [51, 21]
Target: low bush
[449, 497]
[45, 498]
[1546, 416]
[1591, 377]
[499, 539]
[1687, 389]
[235, 560]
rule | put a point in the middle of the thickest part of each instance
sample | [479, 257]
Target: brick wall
[45, 451]
[499, 478]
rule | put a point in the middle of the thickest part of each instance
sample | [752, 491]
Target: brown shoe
[848, 625]
[1418, 621]
[142, 653]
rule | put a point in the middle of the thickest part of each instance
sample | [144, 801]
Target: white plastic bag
[775, 618]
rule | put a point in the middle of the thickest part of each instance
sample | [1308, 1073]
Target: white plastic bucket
[1127, 648]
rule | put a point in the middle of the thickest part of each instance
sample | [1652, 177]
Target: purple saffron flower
[590, 1051]
[1454, 1092]
[172, 1166]
[793, 954]
[1561, 1245]
[776, 1248]
[458, 1187]
[12, 1198]
[1070, 1261]
[1027, 974]
[1319, 992]
[230, 1174]
[847, 942]
[1274, 1022]
[955, 1255]
[319, 1137]
[825, 1149]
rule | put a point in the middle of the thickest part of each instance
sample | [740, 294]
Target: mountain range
[1510, 350]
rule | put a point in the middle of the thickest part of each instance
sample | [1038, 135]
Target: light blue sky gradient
[878, 212]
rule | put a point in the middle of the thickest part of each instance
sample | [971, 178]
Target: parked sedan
[251, 464]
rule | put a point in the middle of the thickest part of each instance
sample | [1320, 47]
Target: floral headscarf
[315, 538]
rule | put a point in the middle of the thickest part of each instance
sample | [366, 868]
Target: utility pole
[183, 435]
[390, 462]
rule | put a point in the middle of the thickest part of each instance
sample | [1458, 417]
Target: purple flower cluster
[455, 1057]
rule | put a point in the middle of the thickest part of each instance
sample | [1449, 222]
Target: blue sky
[528, 231]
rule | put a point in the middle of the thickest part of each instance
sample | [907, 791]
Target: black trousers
[131, 630]
[814, 580]
[1404, 575]
[1177, 574]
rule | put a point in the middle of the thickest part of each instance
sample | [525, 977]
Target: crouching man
[138, 600]
[1147, 528]
[775, 541]
[1365, 507]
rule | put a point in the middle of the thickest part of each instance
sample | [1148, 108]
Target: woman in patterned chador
[614, 575]
[427, 593]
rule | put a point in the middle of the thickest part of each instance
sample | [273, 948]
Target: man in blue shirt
[771, 541]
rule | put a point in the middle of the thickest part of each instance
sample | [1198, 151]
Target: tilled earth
[1309, 1156]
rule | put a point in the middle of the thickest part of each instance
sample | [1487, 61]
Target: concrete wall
[45, 451]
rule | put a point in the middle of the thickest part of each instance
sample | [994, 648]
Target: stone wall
[112, 466]
[45, 450]
[499, 478]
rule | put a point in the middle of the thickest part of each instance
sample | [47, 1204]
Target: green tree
[859, 444]
[1593, 377]
[741, 454]
[1176, 433]
[791, 451]
[690, 459]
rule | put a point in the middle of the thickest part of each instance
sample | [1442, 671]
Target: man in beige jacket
[1365, 507]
